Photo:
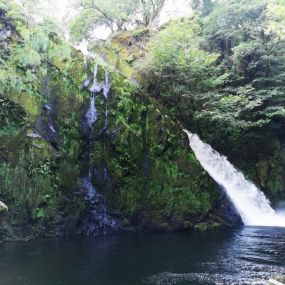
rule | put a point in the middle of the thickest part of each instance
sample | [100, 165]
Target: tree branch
[102, 12]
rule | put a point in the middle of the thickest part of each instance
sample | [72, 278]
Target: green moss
[124, 49]
[27, 58]
[154, 175]
[25, 186]
[141, 163]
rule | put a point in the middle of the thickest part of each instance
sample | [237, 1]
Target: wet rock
[6, 29]
[46, 125]
[3, 207]
[228, 212]
[34, 135]
[97, 219]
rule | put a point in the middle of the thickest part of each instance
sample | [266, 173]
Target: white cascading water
[252, 205]
[96, 86]
[98, 220]
[91, 191]
[106, 91]
[107, 85]
[92, 114]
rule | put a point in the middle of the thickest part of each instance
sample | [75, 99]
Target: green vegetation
[37, 176]
[156, 182]
[154, 179]
[117, 15]
[177, 62]
[219, 73]
[232, 92]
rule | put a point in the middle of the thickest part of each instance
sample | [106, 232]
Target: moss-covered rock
[143, 165]
[138, 158]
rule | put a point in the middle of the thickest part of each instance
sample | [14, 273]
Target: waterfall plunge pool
[247, 255]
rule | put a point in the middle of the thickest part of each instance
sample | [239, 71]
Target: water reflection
[243, 256]
[250, 256]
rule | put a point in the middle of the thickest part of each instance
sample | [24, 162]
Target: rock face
[228, 211]
[145, 175]
[98, 218]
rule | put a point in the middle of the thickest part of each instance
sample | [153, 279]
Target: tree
[115, 14]
[276, 16]
[177, 62]
[202, 6]
[233, 22]
[248, 37]
[151, 10]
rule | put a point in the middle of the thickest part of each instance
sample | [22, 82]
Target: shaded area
[241, 256]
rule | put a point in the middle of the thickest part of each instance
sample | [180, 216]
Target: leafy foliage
[234, 96]
[31, 191]
[28, 51]
[11, 117]
[117, 15]
[275, 14]
[151, 10]
[113, 14]
[35, 170]
[203, 7]
[177, 62]
[154, 174]
[27, 58]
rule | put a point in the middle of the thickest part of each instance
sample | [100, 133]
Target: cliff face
[87, 153]
[41, 104]
[143, 174]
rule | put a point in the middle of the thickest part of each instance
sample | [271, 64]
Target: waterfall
[92, 114]
[98, 220]
[107, 85]
[96, 86]
[91, 117]
[46, 125]
[90, 189]
[106, 91]
[106, 117]
[252, 205]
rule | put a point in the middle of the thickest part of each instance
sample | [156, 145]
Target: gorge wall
[141, 167]
[88, 153]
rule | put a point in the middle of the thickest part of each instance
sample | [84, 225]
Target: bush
[27, 58]
[176, 57]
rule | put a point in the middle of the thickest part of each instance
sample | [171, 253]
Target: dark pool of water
[243, 256]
